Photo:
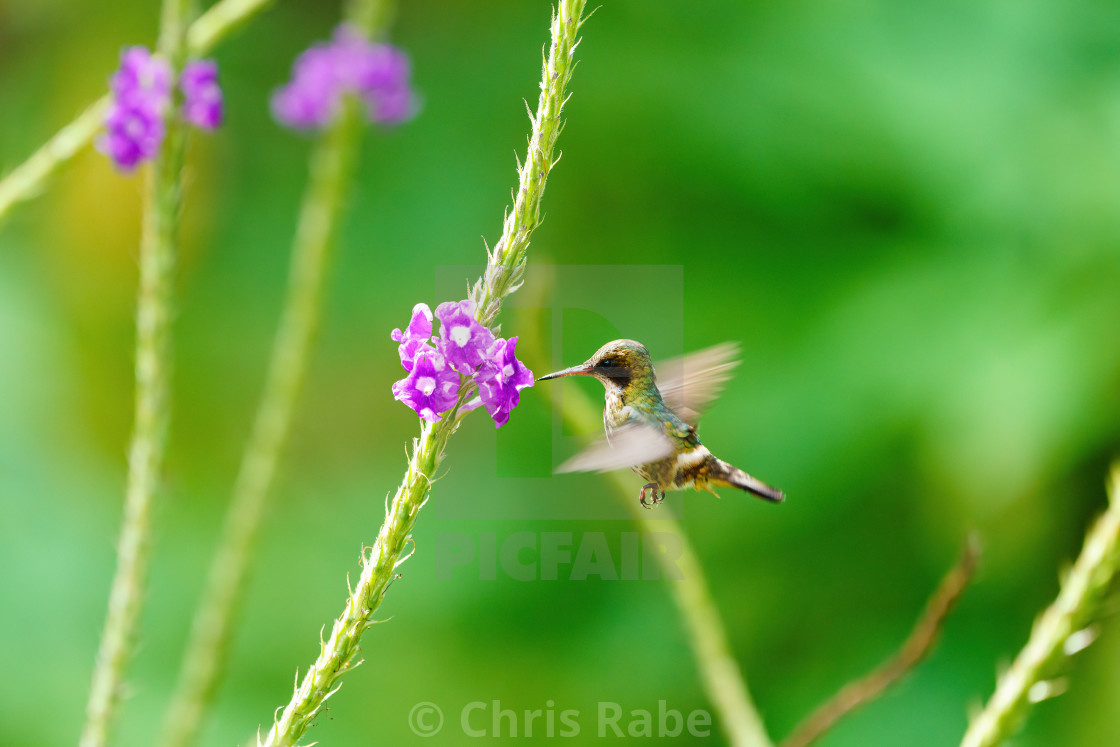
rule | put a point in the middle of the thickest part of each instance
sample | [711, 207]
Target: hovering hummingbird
[651, 426]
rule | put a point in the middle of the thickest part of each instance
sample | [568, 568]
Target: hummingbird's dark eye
[607, 363]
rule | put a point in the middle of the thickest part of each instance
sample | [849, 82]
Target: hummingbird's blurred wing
[629, 445]
[690, 382]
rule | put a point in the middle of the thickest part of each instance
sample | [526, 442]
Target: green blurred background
[907, 213]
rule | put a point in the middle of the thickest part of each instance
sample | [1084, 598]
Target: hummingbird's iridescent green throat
[651, 424]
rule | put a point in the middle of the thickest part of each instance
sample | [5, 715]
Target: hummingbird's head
[617, 364]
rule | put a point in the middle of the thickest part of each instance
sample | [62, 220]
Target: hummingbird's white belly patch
[694, 457]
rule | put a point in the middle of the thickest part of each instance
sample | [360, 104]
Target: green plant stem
[916, 647]
[220, 21]
[26, 180]
[329, 183]
[1078, 605]
[208, 646]
[720, 675]
[149, 431]
[338, 653]
[506, 266]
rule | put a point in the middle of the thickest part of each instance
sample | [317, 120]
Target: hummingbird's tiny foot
[642, 495]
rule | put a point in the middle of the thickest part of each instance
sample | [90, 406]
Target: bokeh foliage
[909, 215]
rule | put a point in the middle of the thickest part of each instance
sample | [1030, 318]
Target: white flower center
[508, 370]
[134, 127]
[460, 335]
[426, 385]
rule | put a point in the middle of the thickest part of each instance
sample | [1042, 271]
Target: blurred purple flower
[202, 97]
[431, 388]
[141, 87]
[134, 124]
[309, 100]
[141, 78]
[462, 340]
[415, 338]
[379, 73]
[349, 64]
[501, 379]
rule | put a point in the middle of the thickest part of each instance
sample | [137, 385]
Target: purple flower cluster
[141, 90]
[349, 64]
[202, 97]
[134, 126]
[464, 348]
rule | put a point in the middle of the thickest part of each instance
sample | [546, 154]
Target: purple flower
[416, 337]
[202, 98]
[464, 348]
[462, 340]
[309, 100]
[378, 73]
[349, 64]
[141, 78]
[431, 388]
[501, 379]
[134, 124]
[132, 135]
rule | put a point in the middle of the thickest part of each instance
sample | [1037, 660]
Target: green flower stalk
[219, 21]
[211, 631]
[722, 679]
[506, 262]
[1062, 630]
[26, 180]
[149, 432]
[914, 649]
[339, 652]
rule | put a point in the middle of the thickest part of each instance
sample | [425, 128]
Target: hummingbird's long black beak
[582, 369]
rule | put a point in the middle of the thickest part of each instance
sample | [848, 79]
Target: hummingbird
[651, 425]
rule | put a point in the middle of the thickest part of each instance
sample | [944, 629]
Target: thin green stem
[220, 21]
[722, 679]
[917, 646]
[1062, 630]
[506, 266]
[26, 180]
[329, 184]
[149, 432]
[371, 18]
[339, 652]
[337, 655]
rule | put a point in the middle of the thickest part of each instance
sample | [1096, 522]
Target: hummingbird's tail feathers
[727, 474]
